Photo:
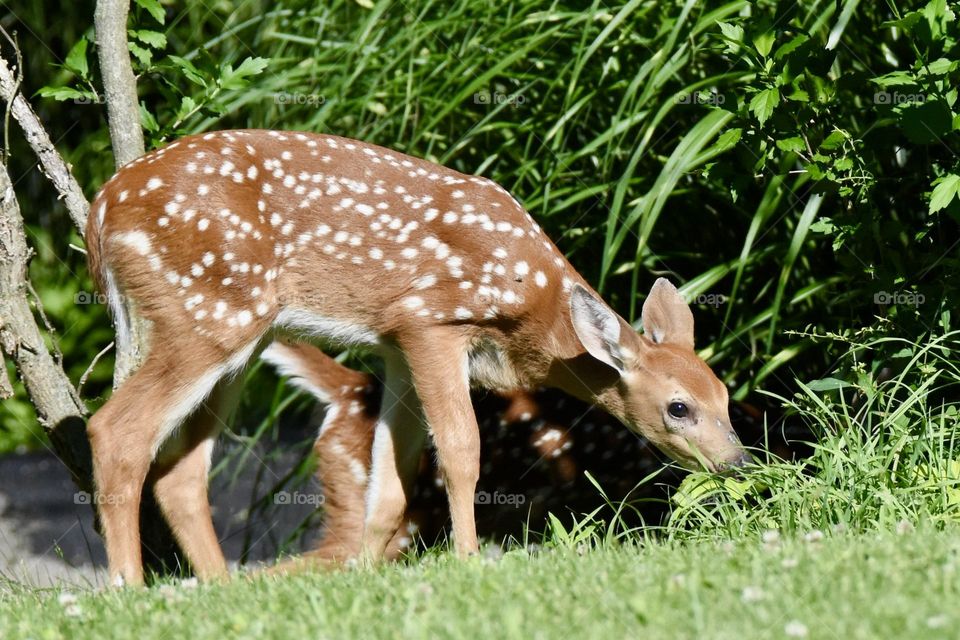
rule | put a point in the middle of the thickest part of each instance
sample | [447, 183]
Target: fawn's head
[663, 390]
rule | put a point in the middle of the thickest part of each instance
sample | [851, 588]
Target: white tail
[225, 240]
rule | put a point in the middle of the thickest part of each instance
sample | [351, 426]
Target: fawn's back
[243, 229]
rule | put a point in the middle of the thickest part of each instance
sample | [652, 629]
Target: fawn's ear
[666, 315]
[597, 327]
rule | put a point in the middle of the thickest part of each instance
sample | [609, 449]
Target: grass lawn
[884, 585]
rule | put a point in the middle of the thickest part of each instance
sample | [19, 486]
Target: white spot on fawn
[425, 282]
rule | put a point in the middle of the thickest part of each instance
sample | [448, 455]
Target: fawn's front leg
[438, 362]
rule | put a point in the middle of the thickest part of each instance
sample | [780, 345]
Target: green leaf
[147, 120]
[694, 489]
[823, 225]
[939, 67]
[738, 489]
[906, 23]
[894, 79]
[145, 56]
[698, 487]
[828, 384]
[726, 140]
[833, 141]
[849, 8]
[763, 104]
[237, 78]
[843, 164]
[733, 34]
[794, 144]
[764, 43]
[189, 70]
[187, 105]
[938, 16]
[944, 192]
[153, 8]
[62, 94]
[790, 46]
[155, 39]
[77, 59]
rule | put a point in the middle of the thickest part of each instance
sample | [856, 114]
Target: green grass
[885, 451]
[882, 585]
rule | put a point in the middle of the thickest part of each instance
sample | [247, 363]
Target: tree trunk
[126, 134]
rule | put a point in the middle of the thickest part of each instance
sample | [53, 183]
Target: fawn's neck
[545, 351]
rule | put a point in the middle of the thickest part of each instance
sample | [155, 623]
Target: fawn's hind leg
[180, 478]
[398, 442]
[126, 434]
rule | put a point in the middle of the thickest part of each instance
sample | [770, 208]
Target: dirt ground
[47, 535]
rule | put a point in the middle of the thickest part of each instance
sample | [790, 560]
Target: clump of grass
[885, 454]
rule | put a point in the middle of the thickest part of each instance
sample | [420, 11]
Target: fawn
[225, 240]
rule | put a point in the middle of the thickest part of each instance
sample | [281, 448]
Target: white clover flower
[795, 629]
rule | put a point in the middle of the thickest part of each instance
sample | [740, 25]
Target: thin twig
[53, 164]
[93, 363]
[16, 87]
[58, 355]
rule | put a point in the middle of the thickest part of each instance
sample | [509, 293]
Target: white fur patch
[137, 240]
[341, 332]
[192, 395]
[288, 363]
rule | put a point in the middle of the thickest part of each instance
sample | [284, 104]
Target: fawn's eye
[678, 410]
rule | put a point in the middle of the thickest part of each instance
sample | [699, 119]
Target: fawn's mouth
[693, 463]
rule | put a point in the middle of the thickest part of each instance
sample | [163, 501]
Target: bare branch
[53, 164]
[119, 83]
[50, 390]
[93, 363]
